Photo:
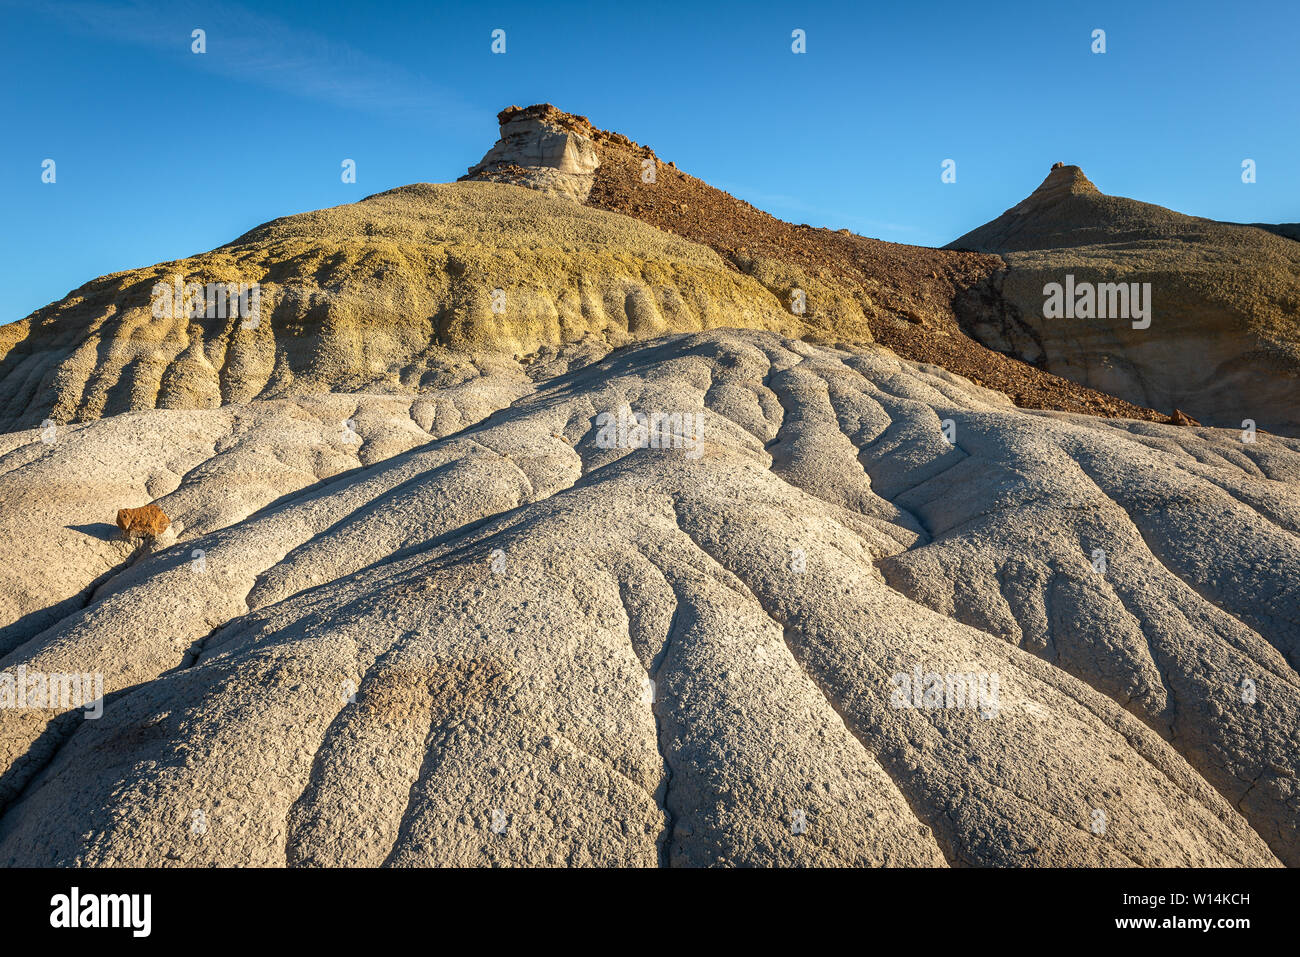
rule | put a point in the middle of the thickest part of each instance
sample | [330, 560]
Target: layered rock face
[544, 149]
[1223, 340]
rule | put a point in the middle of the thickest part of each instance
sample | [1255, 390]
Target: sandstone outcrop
[544, 149]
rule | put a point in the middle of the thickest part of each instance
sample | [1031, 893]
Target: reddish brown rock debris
[147, 521]
[916, 291]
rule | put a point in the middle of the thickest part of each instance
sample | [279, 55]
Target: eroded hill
[1223, 339]
[644, 568]
[415, 288]
[906, 296]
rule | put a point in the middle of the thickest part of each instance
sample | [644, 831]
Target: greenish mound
[412, 289]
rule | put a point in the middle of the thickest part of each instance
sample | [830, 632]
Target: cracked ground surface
[458, 629]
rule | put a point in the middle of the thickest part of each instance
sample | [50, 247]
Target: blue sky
[162, 153]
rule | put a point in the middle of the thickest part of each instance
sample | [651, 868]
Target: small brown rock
[1182, 418]
[147, 521]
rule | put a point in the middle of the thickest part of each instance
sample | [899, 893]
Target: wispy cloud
[254, 48]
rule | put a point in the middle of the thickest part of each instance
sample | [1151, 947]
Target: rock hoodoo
[542, 148]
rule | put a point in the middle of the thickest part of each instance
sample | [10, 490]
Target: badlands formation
[424, 598]
[1223, 343]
